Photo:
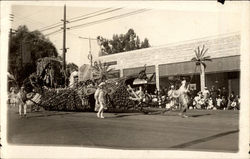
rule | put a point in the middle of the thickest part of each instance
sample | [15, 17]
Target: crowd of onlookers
[208, 99]
[22, 99]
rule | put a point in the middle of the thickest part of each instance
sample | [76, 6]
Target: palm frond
[109, 70]
[194, 59]
[203, 47]
[196, 54]
[199, 52]
[203, 54]
[207, 58]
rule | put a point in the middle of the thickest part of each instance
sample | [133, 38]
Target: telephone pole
[64, 39]
[90, 56]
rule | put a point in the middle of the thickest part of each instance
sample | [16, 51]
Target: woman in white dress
[101, 100]
[183, 98]
[97, 105]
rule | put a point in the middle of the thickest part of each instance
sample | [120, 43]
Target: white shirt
[218, 100]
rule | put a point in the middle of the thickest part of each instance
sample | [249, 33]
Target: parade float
[79, 94]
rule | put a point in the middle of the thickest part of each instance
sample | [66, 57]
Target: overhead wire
[95, 15]
[52, 26]
[110, 18]
[54, 32]
[101, 21]
[89, 13]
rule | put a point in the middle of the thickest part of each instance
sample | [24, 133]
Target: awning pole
[157, 76]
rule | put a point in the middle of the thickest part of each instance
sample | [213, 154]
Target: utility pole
[64, 39]
[90, 56]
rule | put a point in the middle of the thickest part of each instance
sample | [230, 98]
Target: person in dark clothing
[213, 94]
[231, 99]
[224, 94]
[219, 92]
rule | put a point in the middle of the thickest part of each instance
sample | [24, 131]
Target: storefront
[172, 62]
[220, 72]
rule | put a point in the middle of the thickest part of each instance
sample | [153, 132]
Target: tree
[26, 47]
[137, 43]
[123, 42]
[145, 43]
[200, 60]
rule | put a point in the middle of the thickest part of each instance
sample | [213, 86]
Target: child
[218, 102]
[223, 103]
[210, 103]
[13, 97]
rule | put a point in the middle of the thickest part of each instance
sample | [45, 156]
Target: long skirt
[97, 106]
[183, 99]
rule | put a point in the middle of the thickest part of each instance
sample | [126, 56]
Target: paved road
[203, 130]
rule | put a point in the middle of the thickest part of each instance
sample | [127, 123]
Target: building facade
[174, 60]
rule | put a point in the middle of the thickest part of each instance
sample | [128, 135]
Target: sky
[162, 23]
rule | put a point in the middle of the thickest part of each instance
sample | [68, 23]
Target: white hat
[183, 82]
[101, 84]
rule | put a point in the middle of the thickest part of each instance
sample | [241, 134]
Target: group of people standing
[216, 99]
[22, 99]
[180, 95]
[18, 98]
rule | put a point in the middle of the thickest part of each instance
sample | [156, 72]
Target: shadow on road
[123, 115]
[198, 115]
[45, 114]
[174, 113]
[184, 145]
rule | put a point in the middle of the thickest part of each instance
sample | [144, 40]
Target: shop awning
[223, 64]
[132, 71]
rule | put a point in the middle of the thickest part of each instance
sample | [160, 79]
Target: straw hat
[101, 84]
[183, 81]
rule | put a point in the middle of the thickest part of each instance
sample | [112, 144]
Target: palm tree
[101, 71]
[200, 60]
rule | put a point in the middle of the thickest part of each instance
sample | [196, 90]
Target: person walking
[101, 100]
[183, 98]
[171, 98]
[21, 96]
[96, 96]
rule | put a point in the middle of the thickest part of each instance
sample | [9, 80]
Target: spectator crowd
[212, 98]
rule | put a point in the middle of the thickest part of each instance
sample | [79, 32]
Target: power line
[90, 13]
[52, 27]
[96, 15]
[110, 18]
[100, 21]
[54, 32]
[60, 23]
